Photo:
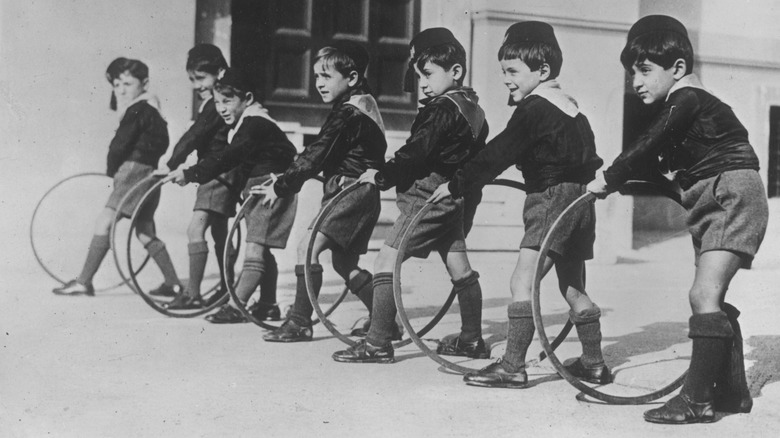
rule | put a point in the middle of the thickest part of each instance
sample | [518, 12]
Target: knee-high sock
[199, 255]
[588, 327]
[384, 310]
[470, 302]
[268, 283]
[711, 334]
[156, 249]
[251, 276]
[98, 248]
[520, 333]
[732, 393]
[302, 310]
[362, 285]
[219, 233]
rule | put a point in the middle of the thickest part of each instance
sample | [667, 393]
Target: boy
[447, 129]
[350, 142]
[552, 142]
[258, 146]
[705, 148]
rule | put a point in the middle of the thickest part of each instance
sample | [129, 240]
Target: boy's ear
[250, 98]
[352, 78]
[457, 71]
[145, 84]
[679, 69]
[544, 72]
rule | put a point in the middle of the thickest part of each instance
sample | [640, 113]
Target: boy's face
[434, 80]
[651, 81]
[126, 88]
[329, 82]
[520, 80]
[202, 82]
[230, 108]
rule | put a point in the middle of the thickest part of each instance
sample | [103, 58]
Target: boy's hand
[368, 177]
[176, 176]
[161, 172]
[266, 190]
[599, 186]
[442, 192]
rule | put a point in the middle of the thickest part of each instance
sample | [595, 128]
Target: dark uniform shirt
[695, 136]
[257, 145]
[351, 141]
[206, 136]
[142, 136]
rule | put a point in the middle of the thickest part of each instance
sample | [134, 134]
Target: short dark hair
[231, 91]
[340, 61]
[206, 58]
[534, 54]
[443, 55]
[136, 68]
[662, 48]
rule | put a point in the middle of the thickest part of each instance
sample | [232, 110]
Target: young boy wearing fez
[448, 128]
[351, 141]
[701, 144]
[552, 142]
[259, 148]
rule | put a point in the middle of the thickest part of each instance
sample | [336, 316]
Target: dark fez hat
[656, 23]
[530, 32]
[355, 51]
[234, 78]
[435, 36]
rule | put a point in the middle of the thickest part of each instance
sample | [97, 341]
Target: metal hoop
[32, 233]
[399, 296]
[156, 304]
[245, 311]
[633, 186]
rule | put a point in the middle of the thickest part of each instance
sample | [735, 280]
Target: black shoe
[360, 327]
[73, 288]
[363, 352]
[496, 376]
[290, 331]
[599, 375]
[165, 290]
[227, 314]
[456, 347]
[185, 302]
[266, 312]
[681, 410]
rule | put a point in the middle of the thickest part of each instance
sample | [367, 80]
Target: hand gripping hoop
[32, 234]
[399, 295]
[154, 303]
[630, 186]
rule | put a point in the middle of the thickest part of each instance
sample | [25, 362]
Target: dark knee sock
[268, 282]
[384, 311]
[98, 248]
[199, 255]
[711, 334]
[520, 333]
[732, 392]
[588, 327]
[470, 302]
[156, 249]
[302, 310]
[362, 285]
[251, 276]
[219, 234]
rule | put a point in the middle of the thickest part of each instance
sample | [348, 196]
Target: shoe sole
[345, 360]
[690, 421]
[73, 294]
[286, 341]
[479, 356]
[504, 385]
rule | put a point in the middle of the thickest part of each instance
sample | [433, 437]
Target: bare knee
[385, 260]
[255, 250]
[196, 231]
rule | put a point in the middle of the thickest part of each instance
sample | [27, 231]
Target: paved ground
[110, 366]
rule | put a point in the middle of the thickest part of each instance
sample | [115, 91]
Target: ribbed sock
[470, 302]
[588, 327]
[251, 276]
[199, 255]
[302, 310]
[384, 310]
[98, 248]
[520, 333]
[269, 280]
[731, 386]
[711, 334]
[362, 285]
[156, 249]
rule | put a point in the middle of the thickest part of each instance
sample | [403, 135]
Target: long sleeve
[197, 136]
[124, 140]
[234, 155]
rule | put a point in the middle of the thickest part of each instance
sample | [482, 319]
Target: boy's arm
[121, 146]
[310, 162]
[248, 137]
[197, 137]
[672, 121]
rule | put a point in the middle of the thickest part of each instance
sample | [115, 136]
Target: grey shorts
[575, 236]
[269, 226]
[130, 173]
[352, 220]
[727, 212]
[215, 197]
[440, 230]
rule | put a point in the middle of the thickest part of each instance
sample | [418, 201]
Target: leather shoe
[364, 352]
[289, 331]
[362, 331]
[599, 375]
[165, 290]
[456, 347]
[185, 302]
[266, 312]
[496, 376]
[73, 288]
[681, 410]
[227, 314]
